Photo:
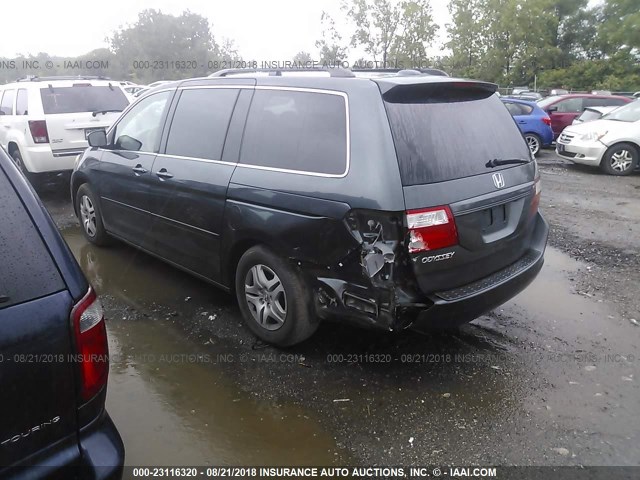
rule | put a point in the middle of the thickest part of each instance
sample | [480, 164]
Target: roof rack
[277, 72]
[403, 72]
[35, 78]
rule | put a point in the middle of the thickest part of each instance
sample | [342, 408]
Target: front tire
[533, 142]
[273, 298]
[90, 216]
[620, 159]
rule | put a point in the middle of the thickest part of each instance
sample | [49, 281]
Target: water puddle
[170, 399]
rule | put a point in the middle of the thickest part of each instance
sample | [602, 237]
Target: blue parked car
[534, 123]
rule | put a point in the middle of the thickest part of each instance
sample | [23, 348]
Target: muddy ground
[550, 378]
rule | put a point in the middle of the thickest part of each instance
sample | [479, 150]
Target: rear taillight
[92, 351]
[431, 229]
[546, 120]
[537, 190]
[39, 131]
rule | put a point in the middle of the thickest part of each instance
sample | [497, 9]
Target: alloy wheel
[533, 143]
[265, 297]
[621, 160]
[88, 214]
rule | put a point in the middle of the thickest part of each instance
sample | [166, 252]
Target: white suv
[44, 122]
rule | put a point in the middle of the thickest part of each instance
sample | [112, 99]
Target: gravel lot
[550, 378]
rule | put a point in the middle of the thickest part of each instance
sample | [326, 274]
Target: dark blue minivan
[53, 350]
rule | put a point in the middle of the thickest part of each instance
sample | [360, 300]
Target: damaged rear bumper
[401, 305]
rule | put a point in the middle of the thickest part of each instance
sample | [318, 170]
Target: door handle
[139, 169]
[521, 122]
[163, 174]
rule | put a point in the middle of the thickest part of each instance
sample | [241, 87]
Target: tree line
[554, 43]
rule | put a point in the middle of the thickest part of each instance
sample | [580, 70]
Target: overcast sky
[272, 30]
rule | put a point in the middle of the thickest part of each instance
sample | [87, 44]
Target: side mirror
[125, 142]
[553, 108]
[97, 138]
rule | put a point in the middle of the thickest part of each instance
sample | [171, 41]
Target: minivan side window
[570, 105]
[295, 130]
[200, 123]
[6, 106]
[22, 106]
[140, 128]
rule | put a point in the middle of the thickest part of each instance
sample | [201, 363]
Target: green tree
[391, 32]
[303, 58]
[331, 46]
[620, 26]
[417, 32]
[166, 42]
[464, 37]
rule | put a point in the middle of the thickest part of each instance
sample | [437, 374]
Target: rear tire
[620, 159]
[534, 142]
[90, 216]
[273, 298]
[31, 177]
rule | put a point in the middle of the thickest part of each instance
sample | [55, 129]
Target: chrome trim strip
[210, 87]
[160, 216]
[67, 153]
[197, 159]
[274, 169]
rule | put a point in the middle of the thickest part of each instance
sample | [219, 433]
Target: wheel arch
[632, 142]
[77, 180]
[236, 251]
[12, 146]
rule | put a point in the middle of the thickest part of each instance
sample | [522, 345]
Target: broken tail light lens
[546, 120]
[39, 131]
[91, 345]
[431, 229]
[537, 190]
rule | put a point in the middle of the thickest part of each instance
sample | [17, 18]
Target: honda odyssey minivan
[397, 202]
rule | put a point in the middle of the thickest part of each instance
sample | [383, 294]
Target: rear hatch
[467, 176]
[37, 387]
[76, 109]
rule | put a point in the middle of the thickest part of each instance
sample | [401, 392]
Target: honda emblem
[498, 180]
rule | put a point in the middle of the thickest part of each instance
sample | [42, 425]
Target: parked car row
[564, 109]
[611, 142]
[542, 121]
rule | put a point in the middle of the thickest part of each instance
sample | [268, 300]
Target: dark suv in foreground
[53, 350]
[394, 202]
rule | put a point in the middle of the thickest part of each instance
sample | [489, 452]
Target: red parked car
[563, 109]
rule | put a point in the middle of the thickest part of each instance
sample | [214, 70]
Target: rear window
[589, 115]
[27, 270]
[297, 131]
[86, 98]
[452, 136]
[518, 108]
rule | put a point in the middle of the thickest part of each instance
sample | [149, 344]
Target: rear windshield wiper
[95, 114]
[497, 162]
